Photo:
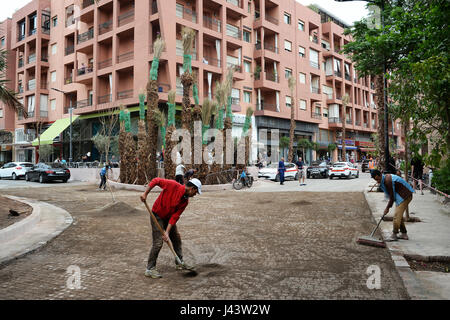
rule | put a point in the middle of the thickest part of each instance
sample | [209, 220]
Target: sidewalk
[428, 238]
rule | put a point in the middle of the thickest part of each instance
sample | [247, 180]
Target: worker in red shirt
[167, 209]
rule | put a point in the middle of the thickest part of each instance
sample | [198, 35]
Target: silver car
[15, 170]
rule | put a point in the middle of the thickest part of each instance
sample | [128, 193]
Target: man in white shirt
[179, 173]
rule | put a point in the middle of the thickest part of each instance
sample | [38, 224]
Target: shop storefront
[350, 150]
[365, 149]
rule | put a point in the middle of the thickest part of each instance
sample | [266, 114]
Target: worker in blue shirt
[281, 170]
[104, 175]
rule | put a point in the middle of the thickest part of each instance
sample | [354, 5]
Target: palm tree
[291, 83]
[159, 117]
[169, 165]
[152, 107]
[207, 109]
[284, 143]
[130, 151]
[331, 147]
[143, 146]
[7, 96]
[304, 144]
[345, 101]
[228, 125]
[188, 36]
[122, 141]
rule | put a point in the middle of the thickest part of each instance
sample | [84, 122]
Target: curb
[23, 226]
[53, 221]
[412, 285]
[140, 188]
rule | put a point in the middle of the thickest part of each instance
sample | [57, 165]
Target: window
[247, 36]
[53, 104]
[249, 7]
[2, 41]
[1, 113]
[54, 21]
[301, 52]
[314, 58]
[287, 18]
[301, 25]
[302, 104]
[247, 66]
[247, 97]
[302, 78]
[53, 76]
[235, 95]
[287, 45]
[287, 73]
[179, 10]
[54, 47]
[288, 101]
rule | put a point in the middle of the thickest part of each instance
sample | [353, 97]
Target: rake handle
[162, 232]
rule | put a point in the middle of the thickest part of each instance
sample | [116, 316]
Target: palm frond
[206, 112]
[188, 36]
[171, 96]
[158, 48]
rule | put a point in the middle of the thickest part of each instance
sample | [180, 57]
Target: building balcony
[104, 64]
[68, 80]
[334, 120]
[186, 14]
[88, 35]
[211, 61]
[105, 27]
[126, 94]
[358, 123]
[31, 85]
[43, 113]
[125, 18]
[20, 63]
[338, 74]
[104, 99]
[314, 64]
[237, 3]
[46, 30]
[234, 32]
[237, 68]
[32, 32]
[31, 58]
[125, 57]
[87, 3]
[315, 90]
[84, 70]
[70, 21]
[348, 77]
[84, 103]
[20, 37]
[69, 50]
[272, 77]
[163, 87]
[272, 19]
[316, 116]
[271, 48]
[212, 24]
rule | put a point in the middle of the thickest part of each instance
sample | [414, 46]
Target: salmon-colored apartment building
[99, 55]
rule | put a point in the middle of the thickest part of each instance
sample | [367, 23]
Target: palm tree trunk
[379, 85]
[130, 150]
[142, 161]
[123, 160]
[152, 128]
[169, 165]
[291, 133]
[186, 112]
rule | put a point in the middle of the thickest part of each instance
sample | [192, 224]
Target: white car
[344, 169]
[15, 170]
[271, 172]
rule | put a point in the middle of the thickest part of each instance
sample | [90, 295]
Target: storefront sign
[347, 142]
[365, 144]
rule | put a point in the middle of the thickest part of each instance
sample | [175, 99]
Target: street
[245, 244]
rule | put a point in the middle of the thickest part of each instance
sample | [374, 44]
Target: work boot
[392, 237]
[403, 236]
[183, 266]
[153, 273]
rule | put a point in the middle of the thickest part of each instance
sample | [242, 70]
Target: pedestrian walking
[417, 171]
[167, 209]
[300, 167]
[281, 170]
[397, 190]
[104, 175]
[179, 173]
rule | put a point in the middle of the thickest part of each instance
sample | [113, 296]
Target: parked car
[318, 169]
[15, 170]
[344, 170]
[44, 172]
[365, 165]
[271, 171]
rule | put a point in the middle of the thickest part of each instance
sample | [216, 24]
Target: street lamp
[70, 135]
[388, 168]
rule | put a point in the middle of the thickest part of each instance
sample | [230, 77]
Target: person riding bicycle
[244, 178]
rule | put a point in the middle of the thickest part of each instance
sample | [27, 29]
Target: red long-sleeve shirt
[171, 202]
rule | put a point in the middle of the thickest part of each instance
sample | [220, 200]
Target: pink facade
[100, 55]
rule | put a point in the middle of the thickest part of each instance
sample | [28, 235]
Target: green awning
[54, 130]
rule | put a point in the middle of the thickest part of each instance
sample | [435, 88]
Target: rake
[370, 240]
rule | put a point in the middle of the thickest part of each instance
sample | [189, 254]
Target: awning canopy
[53, 131]
[367, 149]
[347, 147]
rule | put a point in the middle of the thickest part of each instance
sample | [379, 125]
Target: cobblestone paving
[245, 246]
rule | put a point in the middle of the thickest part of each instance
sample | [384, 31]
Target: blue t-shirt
[103, 171]
[300, 164]
[395, 178]
[281, 165]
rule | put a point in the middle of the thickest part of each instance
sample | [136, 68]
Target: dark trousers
[102, 182]
[281, 176]
[158, 241]
[179, 178]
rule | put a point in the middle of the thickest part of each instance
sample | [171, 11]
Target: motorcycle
[241, 182]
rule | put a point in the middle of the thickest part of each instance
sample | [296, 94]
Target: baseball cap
[197, 183]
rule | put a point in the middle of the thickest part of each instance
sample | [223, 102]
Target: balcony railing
[125, 57]
[347, 77]
[87, 3]
[43, 113]
[68, 80]
[85, 70]
[154, 7]
[258, 46]
[88, 35]
[349, 121]
[32, 58]
[45, 30]
[126, 17]
[314, 64]
[266, 106]
[272, 77]
[20, 64]
[315, 90]
[235, 101]
[338, 73]
[211, 61]
[234, 32]
[44, 58]
[104, 64]
[125, 94]
[314, 39]
[186, 14]
[365, 125]
[105, 27]
[236, 67]
[316, 115]
[30, 114]
[44, 85]
[180, 53]
[163, 87]
[32, 32]
[84, 103]
[69, 50]
[70, 21]
[337, 49]
[270, 47]
[272, 19]
[212, 24]
[20, 89]
[334, 120]
[237, 3]
[105, 99]
[358, 123]
[21, 37]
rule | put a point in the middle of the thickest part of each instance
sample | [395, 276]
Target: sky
[347, 11]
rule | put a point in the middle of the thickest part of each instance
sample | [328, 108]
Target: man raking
[167, 209]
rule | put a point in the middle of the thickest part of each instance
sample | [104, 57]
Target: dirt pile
[115, 209]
